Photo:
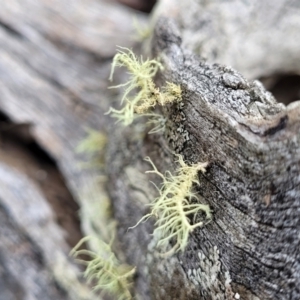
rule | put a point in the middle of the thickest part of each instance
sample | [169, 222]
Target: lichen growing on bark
[104, 270]
[141, 80]
[176, 215]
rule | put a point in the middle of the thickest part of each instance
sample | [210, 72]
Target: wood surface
[55, 61]
[54, 66]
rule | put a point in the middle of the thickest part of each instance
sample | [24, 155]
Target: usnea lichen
[176, 215]
[141, 80]
[104, 270]
[173, 208]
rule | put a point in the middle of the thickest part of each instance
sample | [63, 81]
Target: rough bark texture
[55, 78]
[251, 184]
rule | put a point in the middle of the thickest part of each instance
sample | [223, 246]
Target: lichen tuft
[104, 269]
[173, 208]
[141, 80]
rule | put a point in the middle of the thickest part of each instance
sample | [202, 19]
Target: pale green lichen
[141, 80]
[104, 270]
[69, 279]
[93, 146]
[156, 120]
[95, 141]
[173, 208]
[96, 211]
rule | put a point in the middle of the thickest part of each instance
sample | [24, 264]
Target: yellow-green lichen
[92, 146]
[173, 208]
[141, 94]
[95, 141]
[104, 270]
[96, 211]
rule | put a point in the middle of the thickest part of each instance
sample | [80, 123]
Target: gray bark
[56, 79]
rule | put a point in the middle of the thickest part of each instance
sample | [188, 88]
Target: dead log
[250, 248]
[55, 63]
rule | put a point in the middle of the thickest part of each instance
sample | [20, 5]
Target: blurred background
[54, 65]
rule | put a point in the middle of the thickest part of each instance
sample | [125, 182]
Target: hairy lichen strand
[141, 78]
[105, 269]
[172, 208]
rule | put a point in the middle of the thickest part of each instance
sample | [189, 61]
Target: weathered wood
[54, 63]
[251, 247]
[34, 254]
[257, 39]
